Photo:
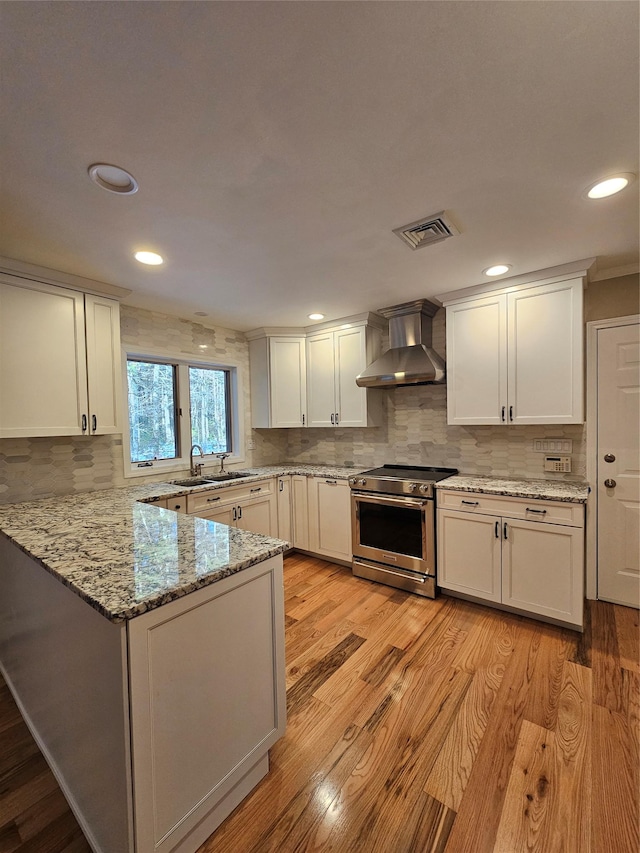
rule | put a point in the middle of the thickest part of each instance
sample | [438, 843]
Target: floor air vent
[426, 231]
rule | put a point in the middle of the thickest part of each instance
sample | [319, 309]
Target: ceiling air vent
[426, 231]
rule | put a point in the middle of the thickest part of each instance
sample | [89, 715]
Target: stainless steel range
[393, 526]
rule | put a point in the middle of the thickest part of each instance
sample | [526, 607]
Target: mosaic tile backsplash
[415, 430]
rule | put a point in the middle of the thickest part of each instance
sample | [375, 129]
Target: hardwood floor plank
[627, 621]
[569, 824]
[304, 688]
[532, 785]
[315, 652]
[582, 653]
[605, 657]
[543, 693]
[450, 773]
[615, 808]
[476, 825]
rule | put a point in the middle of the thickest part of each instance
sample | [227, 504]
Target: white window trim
[181, 463]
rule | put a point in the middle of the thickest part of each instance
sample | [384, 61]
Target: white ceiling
[278, 144]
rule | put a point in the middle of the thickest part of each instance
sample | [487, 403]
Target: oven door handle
[383, 500]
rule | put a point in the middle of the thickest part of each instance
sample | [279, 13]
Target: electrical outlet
[251, 445]
[559, 464]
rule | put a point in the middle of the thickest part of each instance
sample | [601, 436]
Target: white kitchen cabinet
[330, 517]
[524, 555]
[284, 500]
[59, 361]
[334, 358]
[278, 380]
[516, 356]
[252, 506]
[299, 512]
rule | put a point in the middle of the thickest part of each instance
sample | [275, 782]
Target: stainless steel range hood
[410, 359]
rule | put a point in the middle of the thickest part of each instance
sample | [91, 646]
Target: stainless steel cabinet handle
[497, 529]
[505, 530]
[610, 484]
[84, 423]
[94, 423]
[470, 503]
[609, 457]
[539, 511]
[332, 421]
[210, 500]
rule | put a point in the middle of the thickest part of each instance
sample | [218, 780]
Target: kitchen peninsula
[146, 651]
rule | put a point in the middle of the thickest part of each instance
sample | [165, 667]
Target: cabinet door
[299, 512]
[222, 514]
[284, 508]
[258, 516]
[542, 569]
[321, 400]
[477, 361]
[330, 518]
[102, 317]
[288, 381]
[469, 554]
[43, 373]
[545, 362]
[350, 356]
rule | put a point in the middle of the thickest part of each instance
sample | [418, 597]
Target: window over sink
[175, 403]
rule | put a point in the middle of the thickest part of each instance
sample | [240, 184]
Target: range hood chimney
[410, 359]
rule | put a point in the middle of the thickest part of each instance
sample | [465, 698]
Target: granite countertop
[550, 490]
[124, 556]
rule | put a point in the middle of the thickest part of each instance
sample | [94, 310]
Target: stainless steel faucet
[222, 457]
[196, 469]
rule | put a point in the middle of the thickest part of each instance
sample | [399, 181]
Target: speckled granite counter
[124, 557]
[550, 490]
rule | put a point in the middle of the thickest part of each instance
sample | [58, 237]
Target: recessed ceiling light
[150, 258]
[316, 316]
[498, 269]
[609, 186]
[113, 178]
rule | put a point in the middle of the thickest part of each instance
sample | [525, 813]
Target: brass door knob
[609, 484]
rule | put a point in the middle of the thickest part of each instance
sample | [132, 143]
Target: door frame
[593, 327]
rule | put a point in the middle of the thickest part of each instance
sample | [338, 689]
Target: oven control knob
[362, 482]
[412, 487]
[424, 488]
[353, 481]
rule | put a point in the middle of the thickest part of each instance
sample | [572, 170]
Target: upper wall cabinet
[307, 377]
[278, 379]
[515, 356]
[334, 358]
[59, 361]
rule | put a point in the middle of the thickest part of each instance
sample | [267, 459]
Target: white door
[321, 398]
[477, 361]
[545, 363]
[102, 317]
[284, 508]
[258, 516]
[350, 360]
[330, 517]
[618, 465]
[470, 554]
[288, 381]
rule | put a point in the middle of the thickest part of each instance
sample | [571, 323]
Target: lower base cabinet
[489, 549]
[252, 507]
[330, 518]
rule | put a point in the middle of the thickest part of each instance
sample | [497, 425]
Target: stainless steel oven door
[395, 531]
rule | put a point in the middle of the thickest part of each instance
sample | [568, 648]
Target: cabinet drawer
[178, 504]
[552, 512]
[229, 494]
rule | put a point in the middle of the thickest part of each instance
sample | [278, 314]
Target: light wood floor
[414, 726]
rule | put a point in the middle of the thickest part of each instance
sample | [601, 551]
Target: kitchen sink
[214, 478]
